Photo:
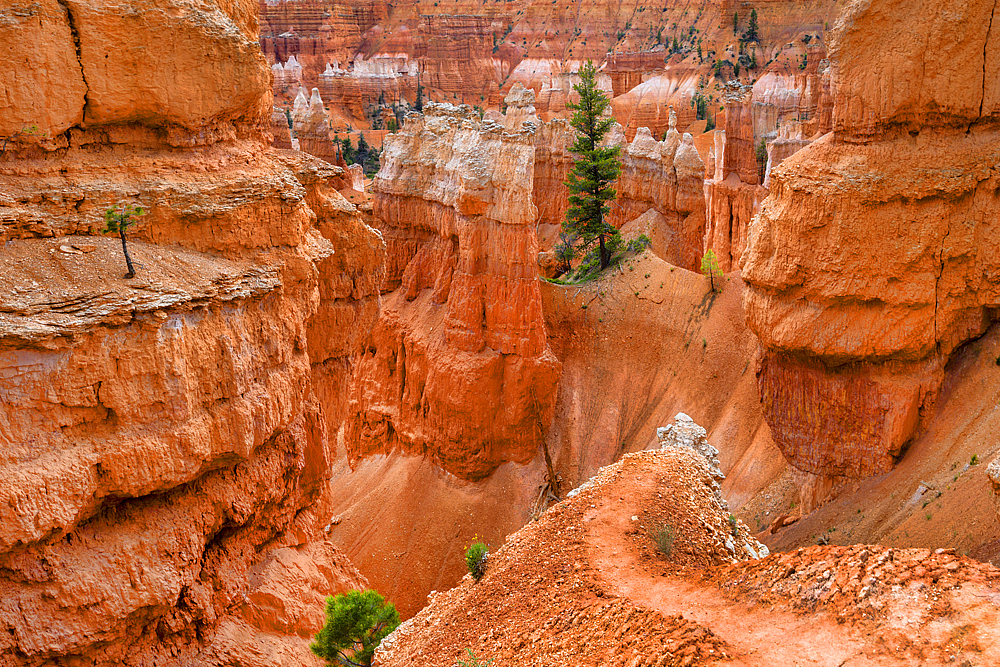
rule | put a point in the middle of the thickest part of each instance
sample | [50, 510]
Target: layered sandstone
[871, 261]
[459, 365]
[784, 111]
[474, 51]
[165, 439]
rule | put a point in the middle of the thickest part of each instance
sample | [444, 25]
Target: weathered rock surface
[458, 366]
[474, 51]
[785, 110]
[871, 261]
[165, 448]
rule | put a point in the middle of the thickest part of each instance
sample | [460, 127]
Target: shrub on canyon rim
[663, 535]
[356, 622]
[476, 556]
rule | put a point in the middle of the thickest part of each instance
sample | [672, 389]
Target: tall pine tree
[596, 167]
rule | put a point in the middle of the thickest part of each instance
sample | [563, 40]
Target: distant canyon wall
[474, 51]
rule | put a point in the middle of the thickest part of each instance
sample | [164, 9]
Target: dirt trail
[758, 634]
[584, 585]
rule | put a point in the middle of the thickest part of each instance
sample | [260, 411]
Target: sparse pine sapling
[710, 267]
[119, 221]
[565, 251]
[472, 660]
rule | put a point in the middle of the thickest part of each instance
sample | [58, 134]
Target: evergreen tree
[752, 33]
[419, 104]
[736, 22]
[710, 267]
[348, 150]
[595, 169]
[118, 222]
[355, 624]
[361, 154]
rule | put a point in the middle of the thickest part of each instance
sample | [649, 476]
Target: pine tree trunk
[128, 258]
[605, 260]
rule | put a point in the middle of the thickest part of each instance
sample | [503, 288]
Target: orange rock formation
[459, 365]
[871, 259]
[163, 491]
[474, 51]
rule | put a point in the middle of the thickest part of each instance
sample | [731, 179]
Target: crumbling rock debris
[685, 433]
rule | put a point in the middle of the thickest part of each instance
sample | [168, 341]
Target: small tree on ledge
[596, 167]
[356, 622]
[119, 221]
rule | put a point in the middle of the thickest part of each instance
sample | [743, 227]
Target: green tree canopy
[118, 222]
[356, 622]
[753, 30]
[710, 267]
[595, 169]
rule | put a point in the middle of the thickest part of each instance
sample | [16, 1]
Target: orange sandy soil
[584, 585]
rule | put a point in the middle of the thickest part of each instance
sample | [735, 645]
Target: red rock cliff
[874, 256]
[165, 459]
[458, 366]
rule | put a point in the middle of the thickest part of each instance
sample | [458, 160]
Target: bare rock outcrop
[872, 258]
[458, 366]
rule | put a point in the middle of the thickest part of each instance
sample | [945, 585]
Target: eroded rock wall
[872, 259]
[165, 459]
[459, 365]
[788, 108]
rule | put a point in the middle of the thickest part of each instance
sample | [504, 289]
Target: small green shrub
[471, 660]
[974, 461]
[734, 526]
[356, 622]
[476, 556]
[663, 536]
[638, 244]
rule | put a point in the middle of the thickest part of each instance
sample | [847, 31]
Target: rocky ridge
[585, 583]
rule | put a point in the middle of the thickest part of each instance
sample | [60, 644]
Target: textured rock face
[873, 257]
[208, 51]
[459, 365]
[165, 449]
[474, 51]
[785, 110]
